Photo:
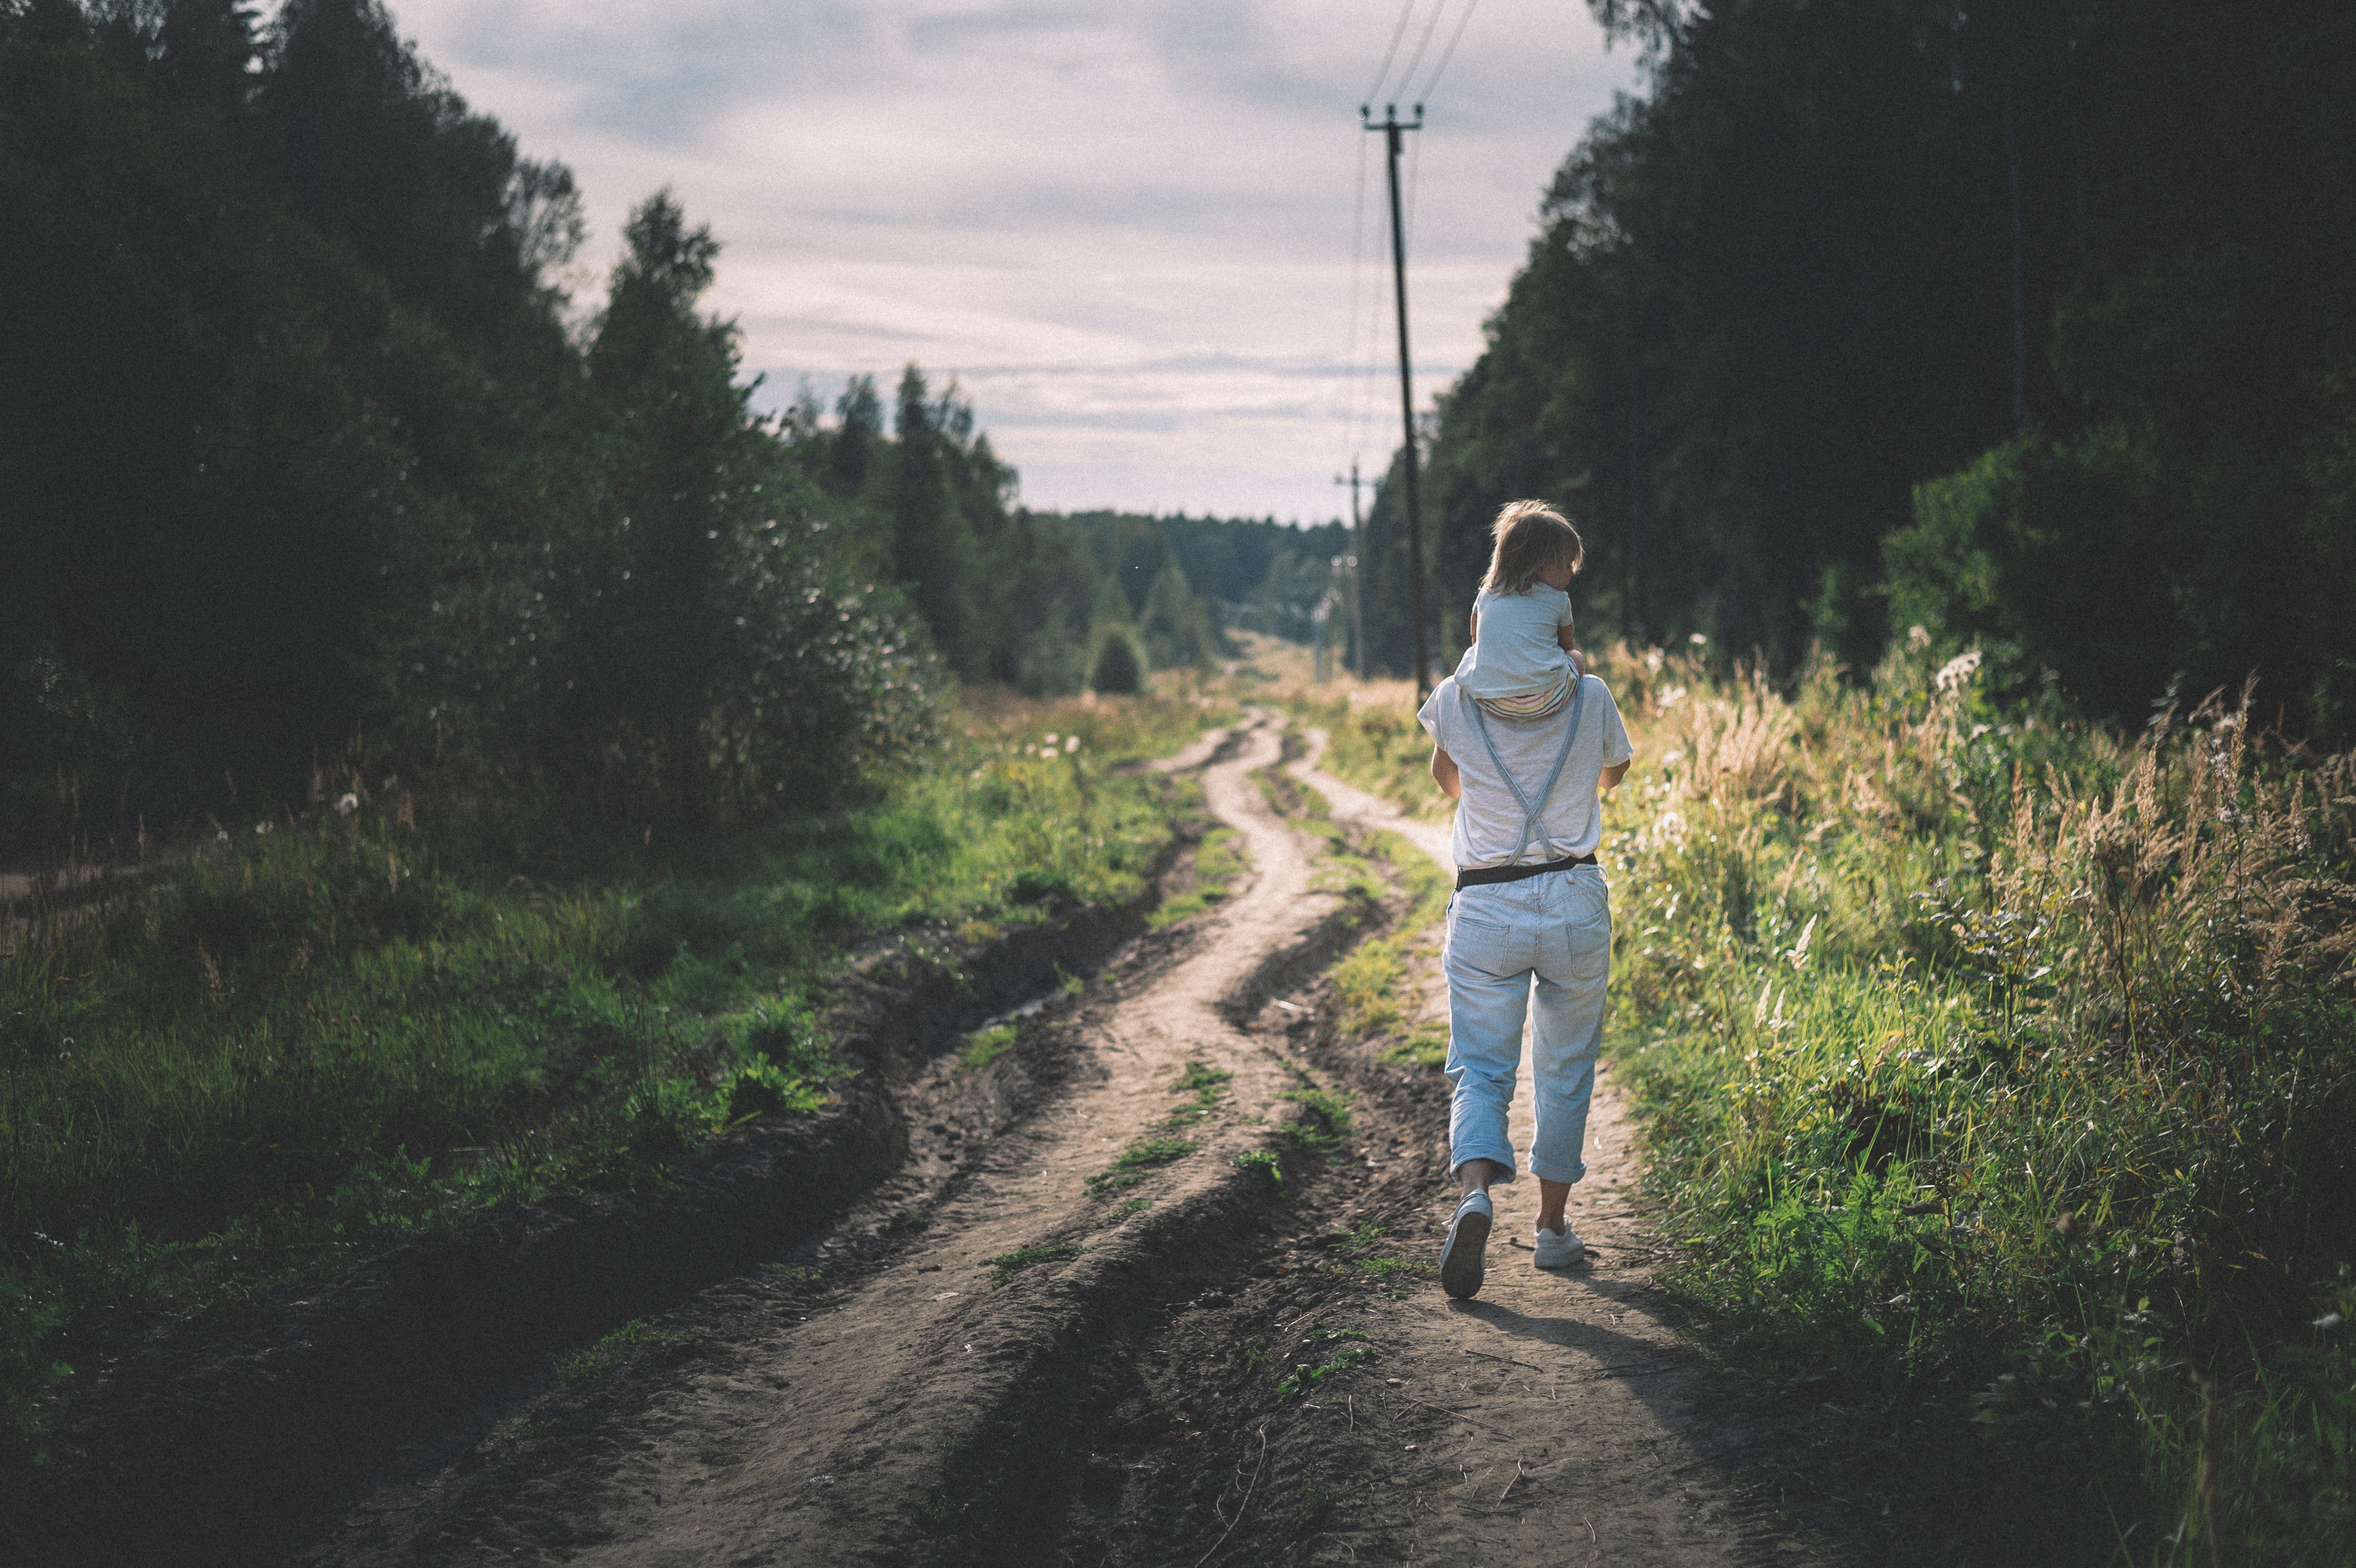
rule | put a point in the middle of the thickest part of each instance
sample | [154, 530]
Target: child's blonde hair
[1531, 536]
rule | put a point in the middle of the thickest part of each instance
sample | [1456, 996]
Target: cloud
[1126, 228]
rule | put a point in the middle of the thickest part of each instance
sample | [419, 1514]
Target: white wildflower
[348, 804]
[1957, 671]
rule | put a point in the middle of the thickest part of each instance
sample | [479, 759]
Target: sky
[1149, 241]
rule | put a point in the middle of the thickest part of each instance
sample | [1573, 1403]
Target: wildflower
[261, 830]
[1071, 744]
[348, 804]
[1957, 671]
[1697, 640]
[1916, 637]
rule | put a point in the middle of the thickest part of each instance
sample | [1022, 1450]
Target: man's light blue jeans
[1554, 933]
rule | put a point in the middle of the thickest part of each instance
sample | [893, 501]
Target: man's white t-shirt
[1488, 818]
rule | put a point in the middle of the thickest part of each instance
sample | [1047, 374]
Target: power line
[1389, 54]
[1421, 44]
[1453, 39]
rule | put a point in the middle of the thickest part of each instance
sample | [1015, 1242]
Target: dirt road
[991, 1362]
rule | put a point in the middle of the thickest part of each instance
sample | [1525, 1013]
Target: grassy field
[292, 1046]
[1996, 1076]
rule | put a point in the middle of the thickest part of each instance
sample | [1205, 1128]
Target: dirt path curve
[1574, 1393]
[834, 1436]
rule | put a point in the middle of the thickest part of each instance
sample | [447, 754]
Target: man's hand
[1444, 773]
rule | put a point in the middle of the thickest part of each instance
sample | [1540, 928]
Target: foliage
[985, 1046]
[299, 1045]
[1145, 1155]
[1993, 1072]
[1264, 1161]
[595, 1360]
[1219, 860]
[1006, 1265]
[2062, 275]
[1345, 1349]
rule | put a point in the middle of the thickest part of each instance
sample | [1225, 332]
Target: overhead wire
[1357, 257]
[1391, 53]
[1450, 53]
[1422, 44]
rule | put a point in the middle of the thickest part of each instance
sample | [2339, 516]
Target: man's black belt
[1478, 876]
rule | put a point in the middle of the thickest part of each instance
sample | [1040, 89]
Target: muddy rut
[988, 1362]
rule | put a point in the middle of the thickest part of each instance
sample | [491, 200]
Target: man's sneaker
[1559, 1249]
[1461, 1259]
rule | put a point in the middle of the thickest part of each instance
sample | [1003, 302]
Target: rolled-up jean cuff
[1546, 1171]
[1502, 1157]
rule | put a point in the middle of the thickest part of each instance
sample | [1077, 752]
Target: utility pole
[1391, 127]
[1357, 564]
[1636, 506]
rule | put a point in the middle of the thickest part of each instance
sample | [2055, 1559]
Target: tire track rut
[844, 1431]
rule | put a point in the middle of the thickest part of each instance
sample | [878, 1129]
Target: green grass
[1006, 1265]
[1323, 1127]
[1344, 1349]
[1370, 983]
[1995, 1079]
[1129, 1206]
[985, 1046]
[1206, 1086]
[1219, 860]
[1138, 1160]
[1264, 1161]
[291, 1048]
[595, 1360]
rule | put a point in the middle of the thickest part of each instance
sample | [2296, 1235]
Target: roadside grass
[593, 1361]
[985, 1046]
[1377, 746]
[1137, 1161]
[1206, 1086]
[1369, 983]
[1006, 1265]
[1995, 1080]
[1344, 1349]
[1219, 860]
[309, 1040]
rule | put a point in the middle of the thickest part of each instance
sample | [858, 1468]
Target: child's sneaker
[1463, 1258]
[1559, 1249]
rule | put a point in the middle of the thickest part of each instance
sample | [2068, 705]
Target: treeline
[307, 462]
[2029, 324]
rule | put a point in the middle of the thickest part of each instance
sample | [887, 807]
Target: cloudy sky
[1126, 228]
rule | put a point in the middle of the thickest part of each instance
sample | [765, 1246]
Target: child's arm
[1568, 637]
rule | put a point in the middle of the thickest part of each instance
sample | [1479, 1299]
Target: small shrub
[1262, 1161]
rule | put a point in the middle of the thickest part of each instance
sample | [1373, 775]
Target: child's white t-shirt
[1517, 651]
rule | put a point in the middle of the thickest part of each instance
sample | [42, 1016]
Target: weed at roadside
[1006, 1265]
[595, 1360]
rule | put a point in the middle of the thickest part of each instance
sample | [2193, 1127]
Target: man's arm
[1608, 778]
[1444, 773]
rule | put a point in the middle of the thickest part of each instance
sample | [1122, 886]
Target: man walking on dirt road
[1531, 911]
